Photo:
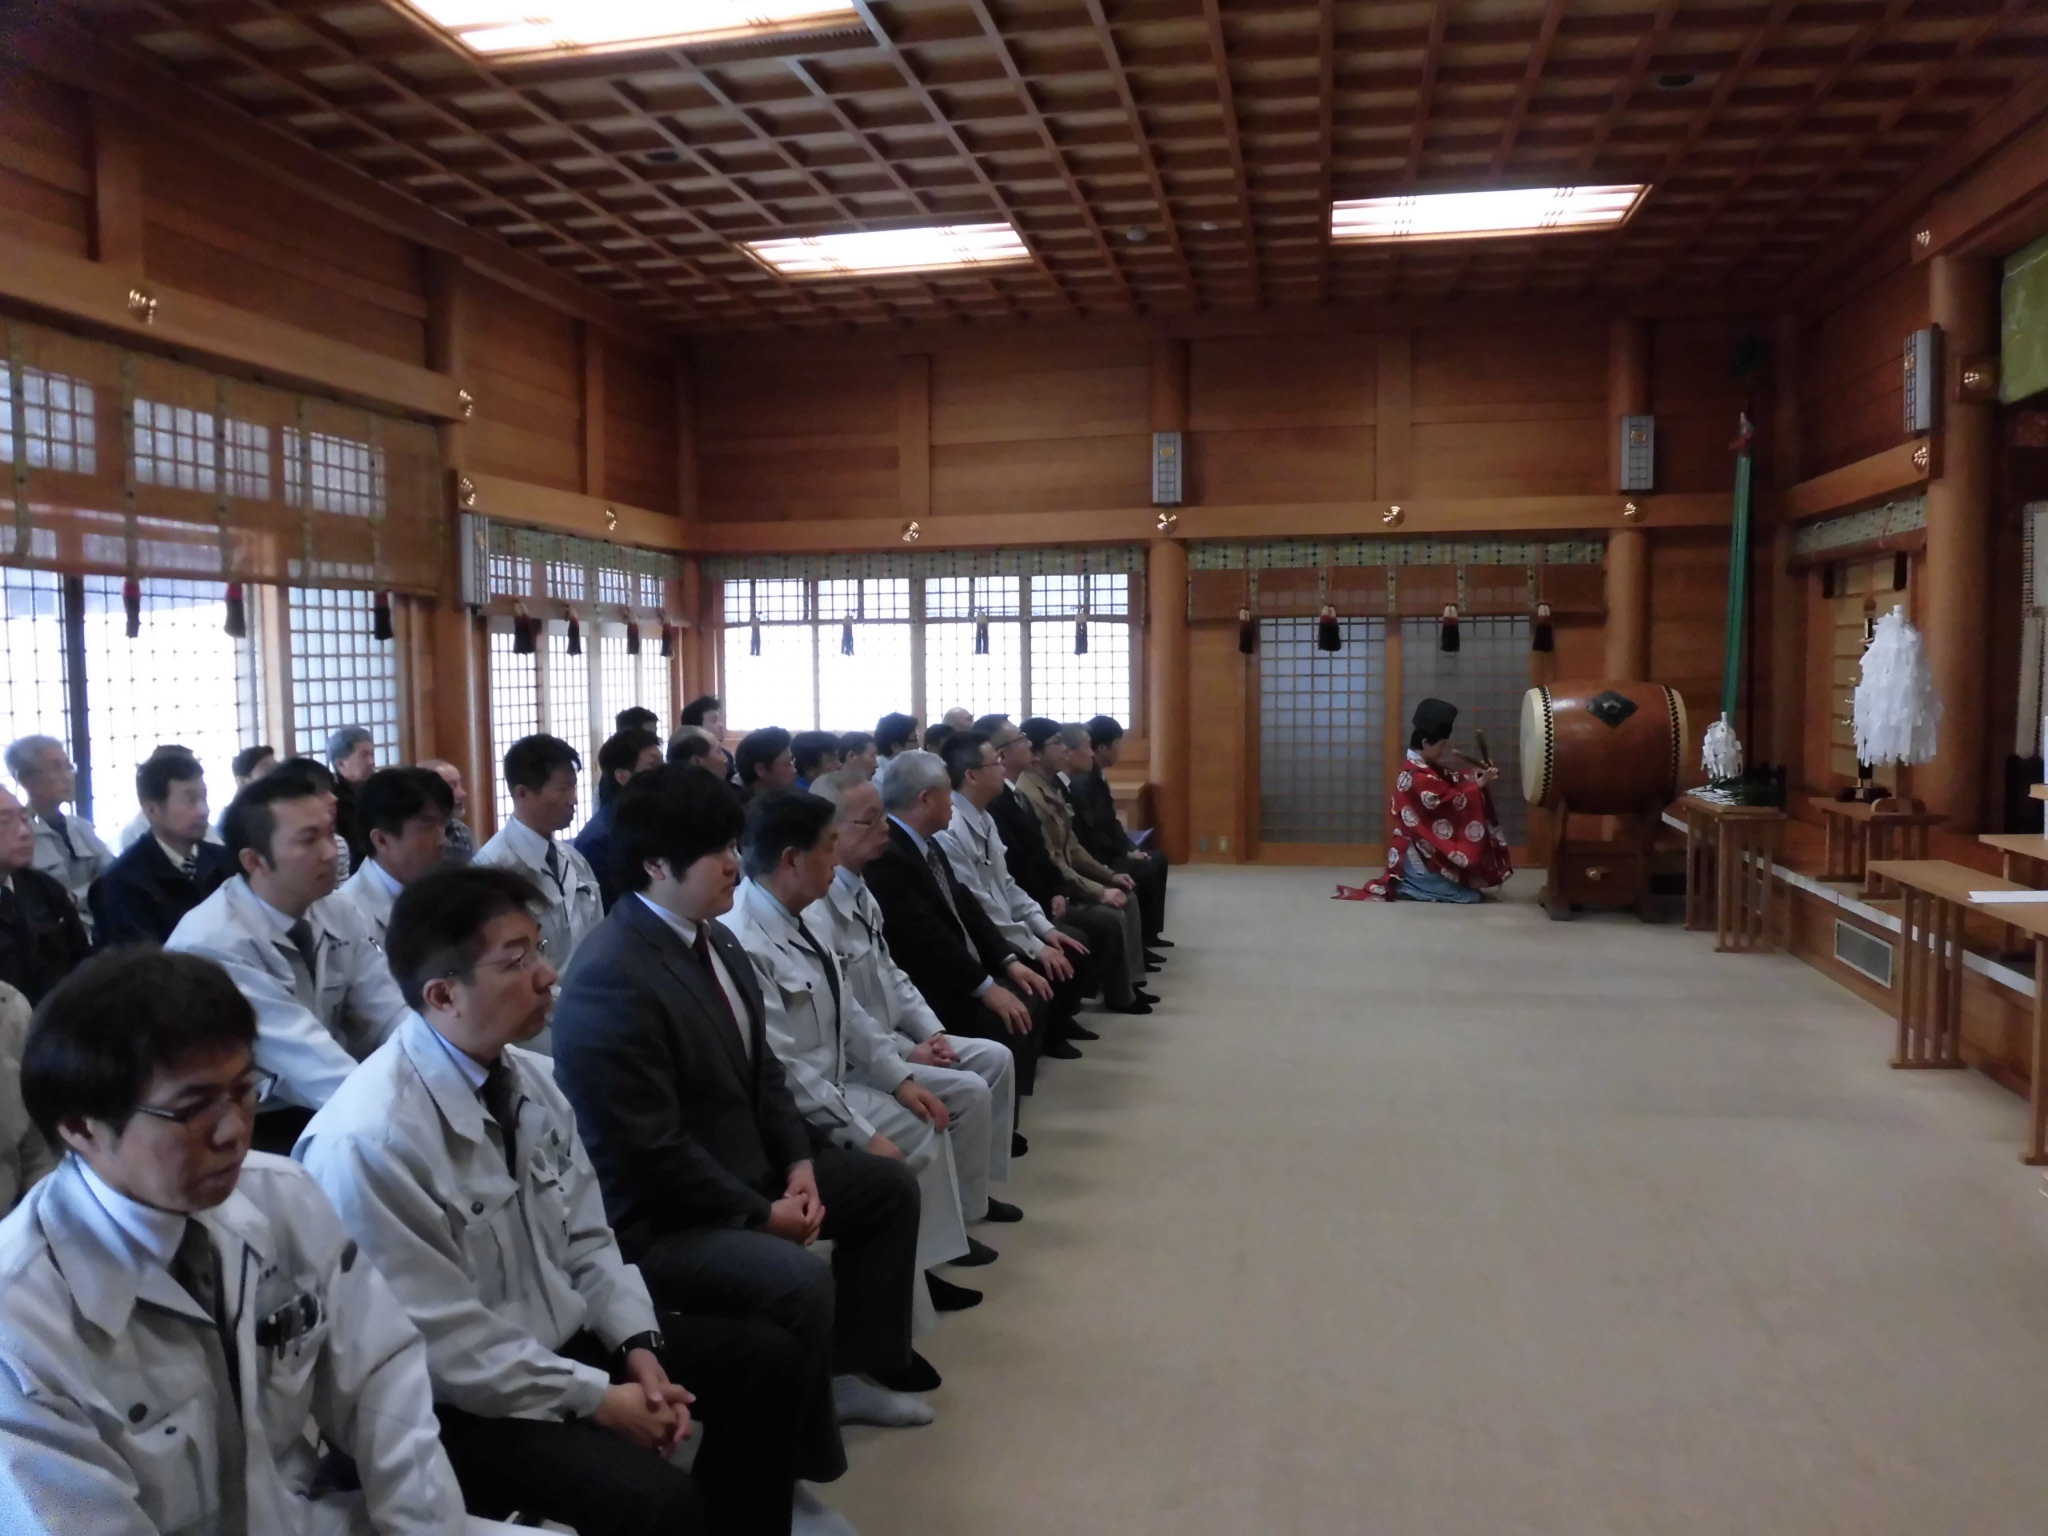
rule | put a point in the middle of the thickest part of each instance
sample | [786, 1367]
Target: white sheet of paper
[2007, 898]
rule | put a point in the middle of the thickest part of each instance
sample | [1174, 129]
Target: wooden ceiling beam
[1525, 89]
[1233, 143]
[1141, 137]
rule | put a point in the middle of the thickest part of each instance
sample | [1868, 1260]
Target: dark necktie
[63, 831]
[301, 935]
[937, 861]
[555, 868]
[501, 1099]
[831, 970]
[196, 1266]
[189, 866]
[702, 950]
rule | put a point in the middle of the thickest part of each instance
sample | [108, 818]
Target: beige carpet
[1410, 1221]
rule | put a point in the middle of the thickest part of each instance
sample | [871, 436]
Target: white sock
[861, 1401]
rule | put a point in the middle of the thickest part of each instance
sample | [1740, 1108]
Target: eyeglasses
[511, 965]
[245, 1095]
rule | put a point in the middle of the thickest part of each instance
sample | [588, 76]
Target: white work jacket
[823, 1044]
[885, 993]
[368, 891]
[498, 1272]
[108, 1402]
[974, 847]
[571, 907]
[311, 1029]
[74, 858]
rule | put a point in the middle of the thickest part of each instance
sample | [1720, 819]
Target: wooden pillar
[1628, 549]
[914, 433]
[117, 223]
[695, 646]
[1786, 743]
[590, 348]
[454, 724]
[1168, 383]
[1963, 301]
[1393, 415]
[1166, 661]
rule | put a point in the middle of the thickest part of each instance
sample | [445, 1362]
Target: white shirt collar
[923, 845]
[177, 859]
[473, 1071]
[682, 925]
[155, 1234]
[847, 880]
[278, 920]
[383, 877]
[527, 843]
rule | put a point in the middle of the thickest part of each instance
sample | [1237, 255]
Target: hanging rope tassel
[1542, 637]
[754, 640]
[1447, 634]
[131, 604]
[1328, 636]
[668, 639]
[237, 625]
[1081, 635]
[522, 633]
[1247, 633]
[846, 637]
[632, 637]
[380, 616]
[575, 635]
[980, 634]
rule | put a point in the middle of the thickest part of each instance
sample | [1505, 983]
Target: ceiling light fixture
[879, 252]
[547, 29]
[1482, 215]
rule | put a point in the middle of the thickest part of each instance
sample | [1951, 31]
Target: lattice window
[185, 680]
[56, 421]
[778, 685]
[961, 597]
[341, 673]
[1071, 685]
[1321, 725]
[174, 446]
[515, 708]
[955, 677]
[565, 706]
[1487, 678]
[34, 680]
[248, 444]
[346, 476]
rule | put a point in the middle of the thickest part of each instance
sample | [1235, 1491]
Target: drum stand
[1586, 872]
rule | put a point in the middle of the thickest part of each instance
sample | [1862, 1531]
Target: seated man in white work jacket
[176, 1314]
[402, 815]
[975, 1079]
[540, 772]
[847, 1079]
[304, 960]
[455, 1161]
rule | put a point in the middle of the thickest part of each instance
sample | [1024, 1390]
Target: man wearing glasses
[454, 1159]
[176, 1314]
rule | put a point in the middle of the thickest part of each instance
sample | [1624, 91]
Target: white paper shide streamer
[1721, 751]
[1896, 712]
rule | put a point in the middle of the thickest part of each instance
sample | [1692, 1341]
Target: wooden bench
[1728, 853]
[1861, 830]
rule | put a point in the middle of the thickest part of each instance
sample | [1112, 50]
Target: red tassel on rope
[575, 635]
[1448, 639]
[380, 616]
[237, 625]
[1247, 633]
[1328, 636]
[1542, 638]
[632, 637]
[668, 639]
[131, 604]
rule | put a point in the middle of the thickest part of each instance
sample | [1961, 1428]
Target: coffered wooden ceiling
[1159, 156]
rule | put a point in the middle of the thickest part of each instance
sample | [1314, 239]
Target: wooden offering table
[2022, 856]
[1728, 852]
[1937, 898]
[1861, 830]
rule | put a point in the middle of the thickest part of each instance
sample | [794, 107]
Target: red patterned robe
[1447, 817]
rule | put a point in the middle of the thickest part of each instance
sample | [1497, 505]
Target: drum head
[1539, 745]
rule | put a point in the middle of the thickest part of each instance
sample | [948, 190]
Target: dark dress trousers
[693, 1131]
[1103, 969]
[1102, 833]
[948, 957]
[141, 897]
[41, 939]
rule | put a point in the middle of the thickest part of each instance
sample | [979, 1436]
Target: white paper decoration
[1896, 713]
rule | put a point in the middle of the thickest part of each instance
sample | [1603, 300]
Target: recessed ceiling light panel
[879, 252]
[1482, 215]
[508, 31]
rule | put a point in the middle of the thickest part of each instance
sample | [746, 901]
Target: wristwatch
[650, 1340]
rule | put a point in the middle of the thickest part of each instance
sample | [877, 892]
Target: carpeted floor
[1420, 1222]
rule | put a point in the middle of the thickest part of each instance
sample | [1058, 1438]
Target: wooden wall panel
[1281, 464]
[45, 163]
[1074, 474]
[1536, 363]
[639, 429]
[281, 254]
[1688, 617]
[1012, 395]
[1217, 793]
[1502, 412]
[525, 369]
[742, 483]
[1852, 389]
[787, 434]
[1250, 383]
[1560, 457]
[1697, 399]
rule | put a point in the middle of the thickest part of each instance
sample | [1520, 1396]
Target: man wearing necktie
[303, 957]
[848, 1080]
[169, 870]
[179, 1312]
[67, 848]
[560, 1390]
[541, 772]
[41, 938]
